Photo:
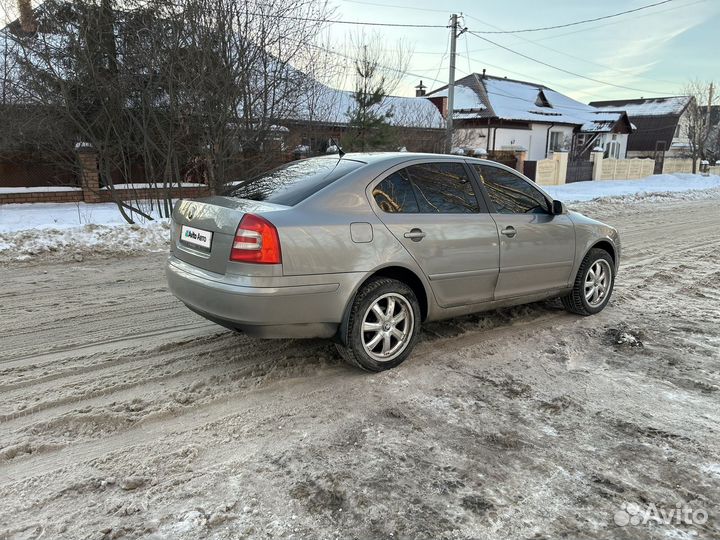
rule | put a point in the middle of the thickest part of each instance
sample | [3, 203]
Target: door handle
[509, 231]
[415, 235]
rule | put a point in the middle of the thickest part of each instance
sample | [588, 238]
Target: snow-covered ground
[20, 217]
[656, 184]
[123, 415]
[75, 229]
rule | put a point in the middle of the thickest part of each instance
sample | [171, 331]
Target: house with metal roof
[661, 124]
[495, 113]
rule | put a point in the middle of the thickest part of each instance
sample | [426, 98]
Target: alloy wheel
[387, 327]
[597, 282]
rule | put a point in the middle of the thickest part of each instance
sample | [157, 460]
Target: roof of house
[328, 105]
[483, 96]
[656, 120]
[662, 106]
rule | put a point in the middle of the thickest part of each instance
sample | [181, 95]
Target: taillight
[256, 241]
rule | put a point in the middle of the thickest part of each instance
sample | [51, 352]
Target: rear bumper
[307, 306]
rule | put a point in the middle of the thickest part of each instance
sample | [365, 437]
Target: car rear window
[293, 183]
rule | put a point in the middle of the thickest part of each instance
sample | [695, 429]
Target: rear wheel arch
[400, 273]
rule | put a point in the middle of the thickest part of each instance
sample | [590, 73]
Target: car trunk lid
[203, 230]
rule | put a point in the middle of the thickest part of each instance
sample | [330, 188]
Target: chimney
[483, 75]
[420, 90]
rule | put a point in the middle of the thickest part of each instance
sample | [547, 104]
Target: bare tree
[173, 90]
[698, 127]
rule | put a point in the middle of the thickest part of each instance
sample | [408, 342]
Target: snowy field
[75, 230]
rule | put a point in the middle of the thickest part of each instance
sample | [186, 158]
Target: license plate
[196, 237]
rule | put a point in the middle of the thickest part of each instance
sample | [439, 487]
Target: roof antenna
[341, 152]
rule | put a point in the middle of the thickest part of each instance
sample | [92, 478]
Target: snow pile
[36, 230]
[659, 184]
[90, 239]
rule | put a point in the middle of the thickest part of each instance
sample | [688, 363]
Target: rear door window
[443, 188]
[429, 188]
[293, 183]
[395, 194]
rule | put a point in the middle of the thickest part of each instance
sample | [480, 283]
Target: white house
[496, 113]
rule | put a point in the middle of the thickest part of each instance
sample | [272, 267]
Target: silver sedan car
[364, 248]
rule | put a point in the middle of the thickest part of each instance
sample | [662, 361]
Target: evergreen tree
[370, 127]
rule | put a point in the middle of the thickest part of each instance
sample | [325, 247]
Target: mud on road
[124, 415]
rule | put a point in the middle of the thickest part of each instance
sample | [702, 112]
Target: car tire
[369, 317]
[583, 299]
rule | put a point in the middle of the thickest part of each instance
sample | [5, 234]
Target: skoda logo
[191, 211]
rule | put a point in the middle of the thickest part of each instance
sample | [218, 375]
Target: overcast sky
[653, 52]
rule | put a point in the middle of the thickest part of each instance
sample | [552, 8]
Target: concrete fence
[622, 169]
[714, 170]
[553, 171]
[678, 165]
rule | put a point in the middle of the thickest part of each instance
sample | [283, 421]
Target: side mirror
[558, 208]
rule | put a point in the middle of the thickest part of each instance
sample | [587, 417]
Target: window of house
[430, 188]
[556, 141]
[612, 150]
[677, 130]
[511, 194]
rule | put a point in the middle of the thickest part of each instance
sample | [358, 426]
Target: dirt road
[122, 414]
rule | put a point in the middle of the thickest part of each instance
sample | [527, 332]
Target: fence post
[562, 163]
[520, 158]
[597, 159]
[89, 174]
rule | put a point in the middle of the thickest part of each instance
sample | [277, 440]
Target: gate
[659, 157]
[529, 169]
[579, 171]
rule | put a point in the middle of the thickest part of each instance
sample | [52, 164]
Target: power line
[558, 51]
[562, 34]
[585, 21]
[550, 86]
[563, 70]
[356, 23]
[442, 58]
[427, 10]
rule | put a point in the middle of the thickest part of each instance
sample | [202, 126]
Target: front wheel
[383, 325]
[593, 284]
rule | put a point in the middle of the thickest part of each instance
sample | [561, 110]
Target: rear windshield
[292, 183]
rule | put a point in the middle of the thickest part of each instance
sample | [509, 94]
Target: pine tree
[370, 127]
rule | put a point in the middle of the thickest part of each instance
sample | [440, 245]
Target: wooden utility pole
[451, 84]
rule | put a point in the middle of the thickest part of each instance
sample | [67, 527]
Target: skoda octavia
[364, 248]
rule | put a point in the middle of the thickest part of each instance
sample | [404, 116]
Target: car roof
[391, 157]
